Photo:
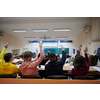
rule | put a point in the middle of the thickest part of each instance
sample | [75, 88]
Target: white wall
[14, 43]
[84, 40]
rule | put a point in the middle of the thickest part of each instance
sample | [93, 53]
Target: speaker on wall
[1, 33]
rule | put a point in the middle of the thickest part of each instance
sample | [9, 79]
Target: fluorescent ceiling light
[45, 38]
[19, 30]
[29, 38]
[61, 37]
[64, 29]
[40, 30]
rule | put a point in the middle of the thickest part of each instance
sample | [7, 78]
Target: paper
[41, 67]
[72, 66]
[97, 68]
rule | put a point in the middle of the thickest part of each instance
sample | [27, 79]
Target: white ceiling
[76, 24]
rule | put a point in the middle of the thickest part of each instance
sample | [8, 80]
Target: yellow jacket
[7, 68]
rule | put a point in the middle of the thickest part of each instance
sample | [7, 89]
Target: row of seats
[49, 77]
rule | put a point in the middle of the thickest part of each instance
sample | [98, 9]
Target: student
[81, 65]
[28, 67]
[55, 67]
[7, 67]
[98, 55]
[68, 59]
[58, 57]
[92, 60]
[45, 59]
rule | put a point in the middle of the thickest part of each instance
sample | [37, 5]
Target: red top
[28, 68]
[80, 72]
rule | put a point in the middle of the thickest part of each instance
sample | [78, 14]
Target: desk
[67, 67]
[67, 70]
[46, 81]
[17, 61]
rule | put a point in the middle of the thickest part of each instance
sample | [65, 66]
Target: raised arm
[3, 51]
[86, 56]
[80, 50]
[36, 52]
[38, 61]
[63, 56]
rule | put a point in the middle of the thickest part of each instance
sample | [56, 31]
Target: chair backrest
[85, 77]
[7, 76]
[31, 76]
[57, 77]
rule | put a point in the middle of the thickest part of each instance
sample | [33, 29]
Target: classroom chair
[31, 76]
[7, 76]
[85, 77]
[57, 77]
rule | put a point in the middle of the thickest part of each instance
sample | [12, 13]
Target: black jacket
[56, 67]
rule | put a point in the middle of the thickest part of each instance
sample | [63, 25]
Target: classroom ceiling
[76, 24]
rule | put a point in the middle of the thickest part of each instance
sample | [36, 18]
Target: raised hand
[6, 45]
[48, 51]
[63, 49]
[95, 51]
[85, 50]
[40, 44]
[37, 50]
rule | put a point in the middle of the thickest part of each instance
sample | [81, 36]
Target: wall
[84, 40]
[14, 43]
[33, 46]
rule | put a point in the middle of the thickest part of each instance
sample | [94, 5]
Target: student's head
[46, 56]
[57, 57]
[28, 56]
[52, 57]
[79, 62]
[8, 57]
[68, 56]
[92, 60]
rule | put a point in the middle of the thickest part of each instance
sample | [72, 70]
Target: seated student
[58, 57]
[55, 67]
[28, 67]
[92, 60]
[7, 67]
[68, 59]
[81, 65]
[45, 59]
[22, 55]
[98, 55]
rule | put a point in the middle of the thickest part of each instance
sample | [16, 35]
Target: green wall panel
[55, 50]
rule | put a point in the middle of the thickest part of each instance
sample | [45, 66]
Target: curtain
[95, 29]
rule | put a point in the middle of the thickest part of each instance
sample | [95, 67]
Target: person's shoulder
[74, 69]
[10, 64]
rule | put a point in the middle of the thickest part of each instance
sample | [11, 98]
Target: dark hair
[52, 55]
[77, 55]
[98, 53]
[68, 56]
[7, 57]
[79, 62]
[92, 60]
[28, 54]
